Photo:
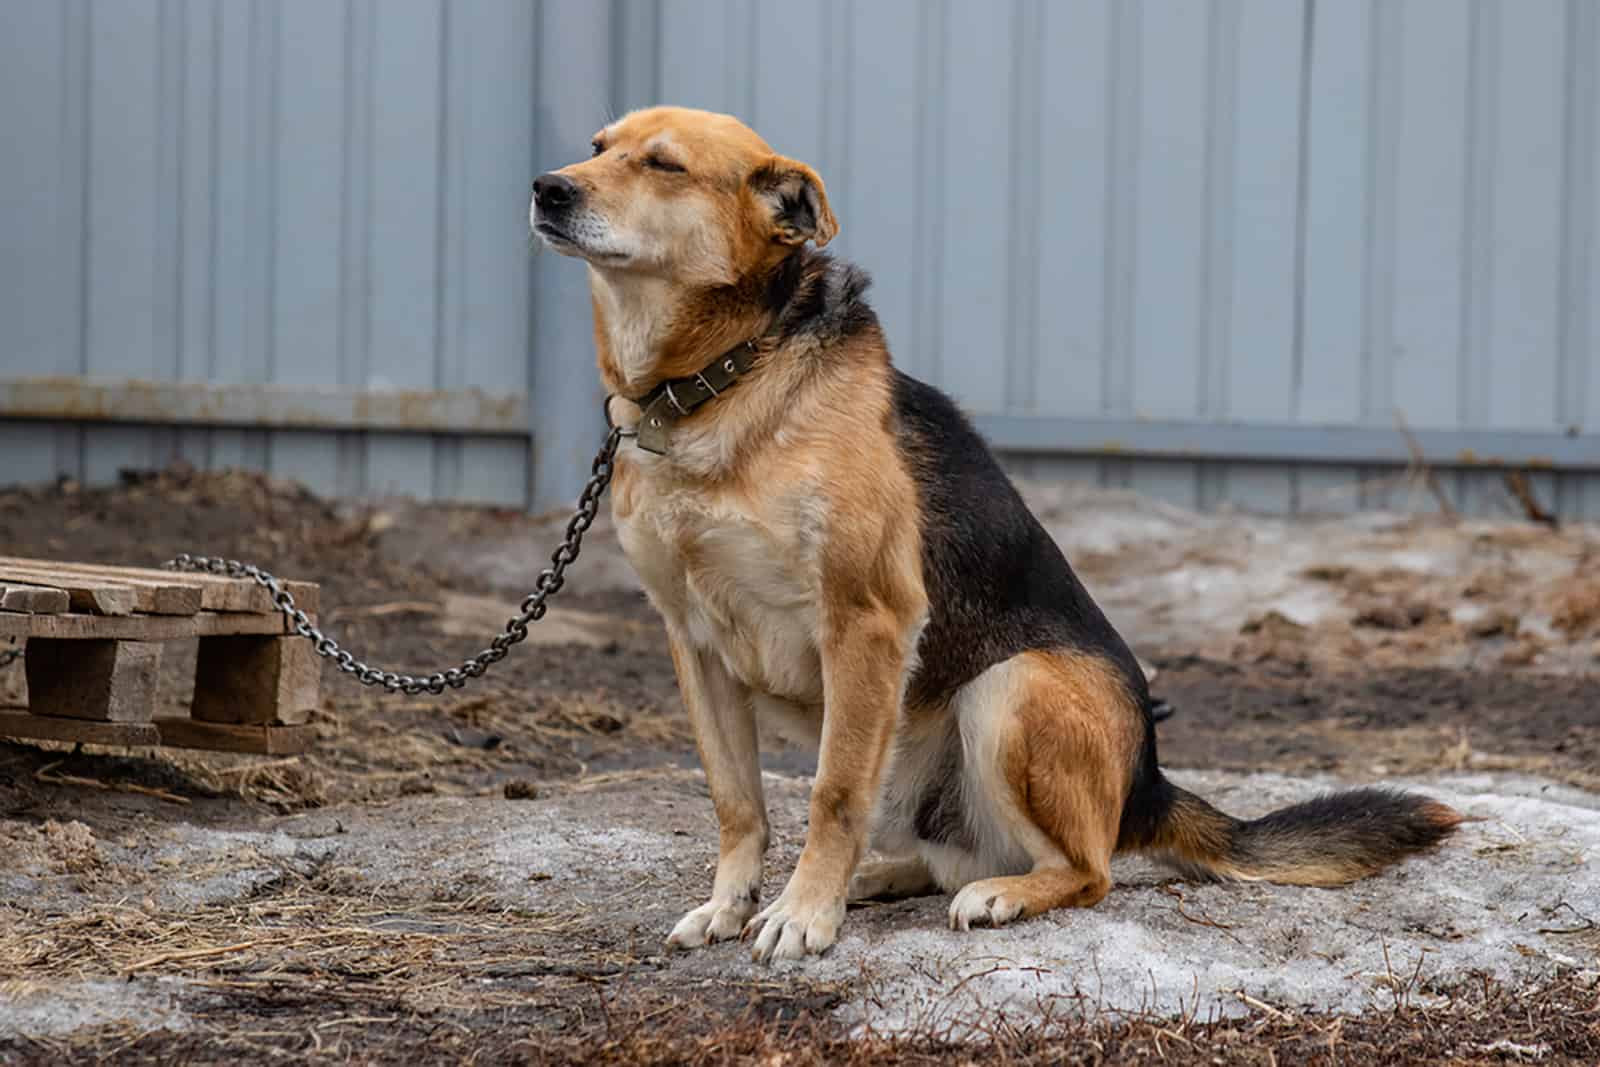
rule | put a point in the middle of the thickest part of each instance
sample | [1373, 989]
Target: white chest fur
[736, 581]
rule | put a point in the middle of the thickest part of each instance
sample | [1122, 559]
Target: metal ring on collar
[605, 409]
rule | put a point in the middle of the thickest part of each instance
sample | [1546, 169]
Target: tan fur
[780, 539]
[1064, 730]
[678, 236]
[778, 536]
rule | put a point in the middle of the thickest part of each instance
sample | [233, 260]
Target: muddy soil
[133, 876]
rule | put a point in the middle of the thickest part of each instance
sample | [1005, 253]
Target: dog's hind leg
[723, 718]
[892, 879]
[1048, 741]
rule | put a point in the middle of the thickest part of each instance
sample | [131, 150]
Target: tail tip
[1442, 818]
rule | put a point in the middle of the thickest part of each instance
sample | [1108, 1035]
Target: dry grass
[305, 932]
[791, 1024]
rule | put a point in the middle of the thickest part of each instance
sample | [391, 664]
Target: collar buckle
[672, 398]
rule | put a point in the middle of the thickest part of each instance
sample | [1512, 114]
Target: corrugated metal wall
[1268, 211]
[1259, 210]
[296, 192]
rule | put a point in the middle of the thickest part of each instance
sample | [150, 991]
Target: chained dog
[834, 549]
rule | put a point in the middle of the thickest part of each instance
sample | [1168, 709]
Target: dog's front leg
[864, 657]
[724, 725]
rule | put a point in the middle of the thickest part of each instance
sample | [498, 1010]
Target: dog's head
[692, 197]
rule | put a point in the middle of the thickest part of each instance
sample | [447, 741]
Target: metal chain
[532, 608]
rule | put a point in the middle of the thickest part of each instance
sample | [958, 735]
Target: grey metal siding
[295, 192]
[1282, 213]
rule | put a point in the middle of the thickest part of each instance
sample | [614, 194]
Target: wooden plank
[93, 596]
[233, 737]
[217, 593]
[32, 599]
[256, 680]
[58, 728]
[154, 596]
[109, 681]
[140, 627]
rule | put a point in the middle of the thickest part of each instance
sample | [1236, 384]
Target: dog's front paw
[799, 922]
[715, 920]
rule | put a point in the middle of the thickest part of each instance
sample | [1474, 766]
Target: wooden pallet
[95, 637]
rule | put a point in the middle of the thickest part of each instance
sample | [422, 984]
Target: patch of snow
[66, 1007]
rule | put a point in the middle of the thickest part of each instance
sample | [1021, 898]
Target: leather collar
[663, 406]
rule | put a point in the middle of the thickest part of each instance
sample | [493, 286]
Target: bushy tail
[1330, 840]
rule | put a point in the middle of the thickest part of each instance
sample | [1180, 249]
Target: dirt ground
[493, 872]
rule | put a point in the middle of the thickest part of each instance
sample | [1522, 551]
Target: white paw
[983, 903]
[796, 924]
[715, 920]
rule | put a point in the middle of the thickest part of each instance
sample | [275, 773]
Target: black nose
[554, 191]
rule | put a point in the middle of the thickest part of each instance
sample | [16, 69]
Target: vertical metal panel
[1068, 271]
[484, 336]
[241, 177]
[977, 157]
[406, 88]
[1169, 246]
[38, 288]
[1434, 259]
[305, 277]
[877, 200]
[573, 96]
[120, 290]
[1253, 340]
[1071, 279]
[1337, 215]
[1583, 292]
[195, 325]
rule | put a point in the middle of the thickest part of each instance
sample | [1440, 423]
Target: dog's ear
[795, 201]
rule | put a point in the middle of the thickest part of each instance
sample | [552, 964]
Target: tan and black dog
[831, 544]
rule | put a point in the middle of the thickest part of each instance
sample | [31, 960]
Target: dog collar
[663, 406]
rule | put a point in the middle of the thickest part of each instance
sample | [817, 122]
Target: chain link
[531, 610]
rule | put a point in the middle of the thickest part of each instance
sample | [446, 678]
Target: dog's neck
[648, 330]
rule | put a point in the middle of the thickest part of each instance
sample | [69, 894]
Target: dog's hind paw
[984, 903]
[715, 920]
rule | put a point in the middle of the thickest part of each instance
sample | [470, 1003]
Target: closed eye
[662, 163]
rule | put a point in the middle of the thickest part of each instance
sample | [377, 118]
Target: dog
[834, 549]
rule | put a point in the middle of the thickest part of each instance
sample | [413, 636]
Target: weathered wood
[109, 681]
[93, 595]
[58, 728]
[156, 592]
[231, 737]
[141, 627]
[32, 599]
[217, 593]
[255, 680]
[156, 596]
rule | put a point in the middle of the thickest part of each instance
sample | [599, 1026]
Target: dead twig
[1202, 920]
[1419, 466]
[1516, 483]
[186, 955]
[1588, 923]
[43, 775]
[1261, 1006]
